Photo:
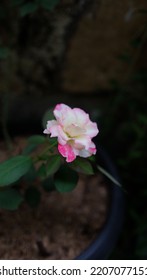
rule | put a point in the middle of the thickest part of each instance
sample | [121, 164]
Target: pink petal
[67, 152]
[64, 115]
[59, 109]
[92, 149]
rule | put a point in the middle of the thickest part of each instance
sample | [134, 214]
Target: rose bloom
[74, 131]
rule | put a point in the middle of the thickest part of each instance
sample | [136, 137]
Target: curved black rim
[103, 245]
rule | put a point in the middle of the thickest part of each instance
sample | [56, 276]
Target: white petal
[59, 109]
[74, 130]
[87, 153]
[69, 118]
[50, 124]
[92, 129]
[54, 131]
[81, 117]
[64, 115]
[62, 137]
[46, 131]
[84, 140]
[84, 153]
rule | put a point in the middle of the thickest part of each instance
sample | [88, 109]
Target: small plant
[54, 161]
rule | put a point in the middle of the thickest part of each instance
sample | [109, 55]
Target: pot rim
[104, 243]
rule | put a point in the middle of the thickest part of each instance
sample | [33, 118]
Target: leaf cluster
[39, 164]
[29, 7]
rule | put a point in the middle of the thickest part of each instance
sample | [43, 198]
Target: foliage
[39, 162]
[13, 169]
[42, 163]
[83, 166]
[13, 10]
[65, 179]
[28, 7]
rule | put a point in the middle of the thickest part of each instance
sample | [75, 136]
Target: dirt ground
[60, 227]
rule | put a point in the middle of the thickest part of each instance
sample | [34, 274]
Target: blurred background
[91, 54]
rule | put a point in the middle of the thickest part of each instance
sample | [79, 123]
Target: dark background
[90, 54]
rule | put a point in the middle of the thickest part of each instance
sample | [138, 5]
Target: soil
[61, 226]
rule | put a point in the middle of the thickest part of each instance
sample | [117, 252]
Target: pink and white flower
[74, 131]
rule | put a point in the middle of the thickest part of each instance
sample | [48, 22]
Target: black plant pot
[103, 245]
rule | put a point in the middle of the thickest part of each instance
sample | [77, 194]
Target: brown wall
[101, 48]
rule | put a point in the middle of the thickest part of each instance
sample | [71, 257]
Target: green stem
[108, 175]
[38, 157]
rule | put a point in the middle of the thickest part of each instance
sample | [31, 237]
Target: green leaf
[28, 8]
[31, 175]
[92, 158]
[53, 141]
[82, 165]
[49, 4]
[51, 167]
[48, 115]
[4, 52]
[33, 143]
[10, 199]
[29, 149]
[53, 164]
[41, 172]
[32, 196]
[65, 179]
[13, 169]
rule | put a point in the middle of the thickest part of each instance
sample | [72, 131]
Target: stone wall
[83, 46]
[103, 48]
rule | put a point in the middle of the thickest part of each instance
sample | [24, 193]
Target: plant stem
[108, 175]
[38, 157]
